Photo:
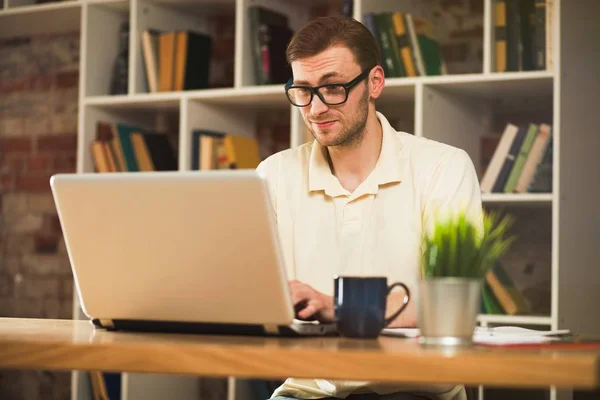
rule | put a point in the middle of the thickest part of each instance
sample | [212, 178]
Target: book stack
[176, 60]
[521, 162]
[523, 35]
[126, 148]
[219, 150]
[408, 45]
[269, 34]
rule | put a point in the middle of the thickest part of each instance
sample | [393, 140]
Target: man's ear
[376, 82]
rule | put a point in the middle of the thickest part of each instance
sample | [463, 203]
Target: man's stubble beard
[352, 135]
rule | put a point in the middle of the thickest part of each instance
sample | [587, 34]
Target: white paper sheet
[496, 335]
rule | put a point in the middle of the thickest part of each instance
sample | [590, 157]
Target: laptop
[190, 252]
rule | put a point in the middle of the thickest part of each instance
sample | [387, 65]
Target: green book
[490, 303]
[394, 47]
[124, 132]
[429, 46]
[387, 54]
[515, 172]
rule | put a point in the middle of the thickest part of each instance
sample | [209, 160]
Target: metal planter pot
[447, 310]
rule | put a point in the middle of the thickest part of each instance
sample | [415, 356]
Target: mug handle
[406, 300]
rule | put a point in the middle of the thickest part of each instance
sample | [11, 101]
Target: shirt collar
[389, 167]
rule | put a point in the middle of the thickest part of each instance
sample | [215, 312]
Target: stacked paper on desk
[496, 336]
[515, 335]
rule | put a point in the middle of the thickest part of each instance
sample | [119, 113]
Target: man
[357, 199]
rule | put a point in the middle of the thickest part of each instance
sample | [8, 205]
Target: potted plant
[456, 255]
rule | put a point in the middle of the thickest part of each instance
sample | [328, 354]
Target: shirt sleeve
[453, 187]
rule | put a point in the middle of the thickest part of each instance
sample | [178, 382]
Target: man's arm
[452, 186]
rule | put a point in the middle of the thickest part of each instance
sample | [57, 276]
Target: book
[500, 34]
[167, 55]
[534, 158]
[527, 19]
[242, 152]
[394, 46]
[123, 132]
[414, 44]
[191, 68]
[492, 171]
[368, 20]
[513, 36]
[162, 154]
[509, 160]
[202, 148]
[277, 39]
[150, 46]
[429, 47]
[141, 152]
[517, 168]
[100, 157]
[542, 179]
[261, 21]
[403, 42]
[540, 35]
[503, 287]
[490, 302]
[387, 52]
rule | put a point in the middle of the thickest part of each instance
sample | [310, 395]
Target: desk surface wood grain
[67, 344]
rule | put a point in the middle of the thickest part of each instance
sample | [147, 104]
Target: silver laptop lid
[174, 246]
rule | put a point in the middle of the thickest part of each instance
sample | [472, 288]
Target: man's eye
[333, 89]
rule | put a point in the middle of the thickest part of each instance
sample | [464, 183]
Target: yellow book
[500, 32]
[109, 157]
[181, 46]
[242, 152]
[99, 157]
[509, 297]
[166, 61]
[404, 43]
[140, 150]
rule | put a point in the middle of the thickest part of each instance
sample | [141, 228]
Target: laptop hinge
[271, 329]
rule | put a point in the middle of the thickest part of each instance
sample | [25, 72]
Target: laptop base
[293, 330]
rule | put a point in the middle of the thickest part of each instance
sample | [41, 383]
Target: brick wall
[38, 124]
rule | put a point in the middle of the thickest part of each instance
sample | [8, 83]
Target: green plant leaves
[456, 248]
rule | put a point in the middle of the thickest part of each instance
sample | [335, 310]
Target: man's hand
[316, 304]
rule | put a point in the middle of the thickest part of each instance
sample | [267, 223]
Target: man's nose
[317, 107]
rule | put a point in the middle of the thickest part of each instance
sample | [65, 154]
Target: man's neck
[353, 164]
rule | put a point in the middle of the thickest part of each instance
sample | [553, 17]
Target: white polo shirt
[375, 230]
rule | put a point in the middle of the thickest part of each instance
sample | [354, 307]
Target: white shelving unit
[455, 109]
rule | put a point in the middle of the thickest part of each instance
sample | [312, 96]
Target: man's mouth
[323, 124]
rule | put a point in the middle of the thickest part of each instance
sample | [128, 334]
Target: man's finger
[309, 312]
[298, 296]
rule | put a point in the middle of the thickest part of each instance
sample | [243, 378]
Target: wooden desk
[67, 345]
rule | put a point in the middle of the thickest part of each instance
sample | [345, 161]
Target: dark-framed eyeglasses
[331, 94]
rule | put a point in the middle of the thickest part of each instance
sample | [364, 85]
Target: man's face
[340, 125]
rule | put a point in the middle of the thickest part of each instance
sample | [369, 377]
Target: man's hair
[324, 32]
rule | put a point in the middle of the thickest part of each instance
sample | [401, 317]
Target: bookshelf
[457, 109]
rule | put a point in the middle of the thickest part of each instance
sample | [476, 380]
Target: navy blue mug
[360, 305]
